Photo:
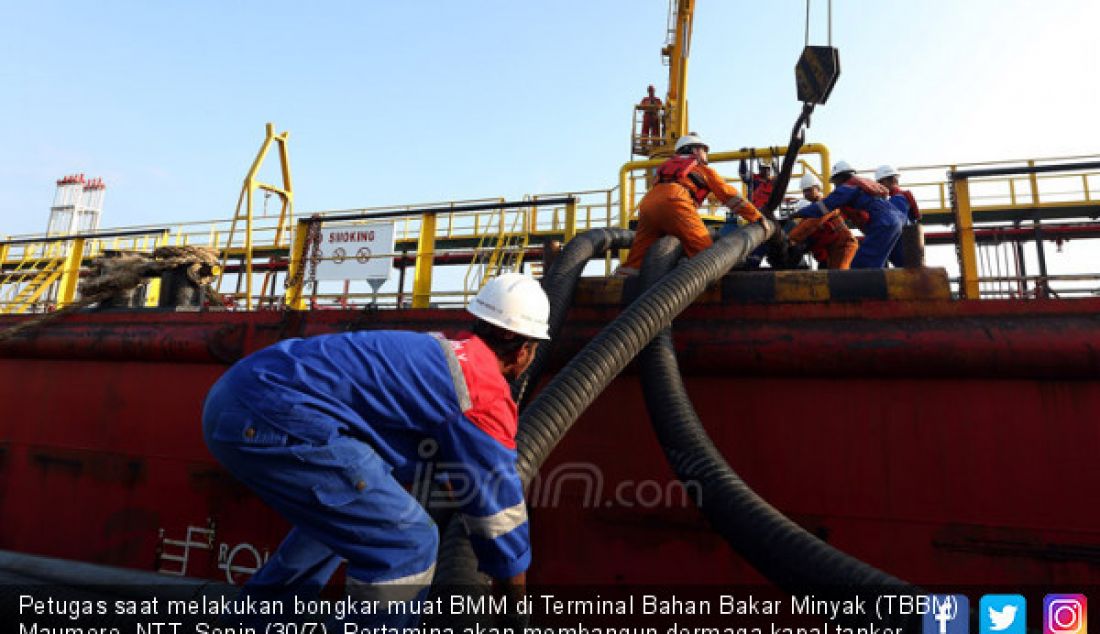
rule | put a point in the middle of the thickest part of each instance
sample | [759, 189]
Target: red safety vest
[914, 209]
[679, 169]
[868, 186]
[860, 217]
[761, 191]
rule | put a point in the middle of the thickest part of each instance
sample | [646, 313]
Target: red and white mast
[77, 205]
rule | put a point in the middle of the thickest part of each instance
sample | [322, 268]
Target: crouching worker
[889, 177]
[671, 206]
[865, 202]
[827, 237]
[327, 430]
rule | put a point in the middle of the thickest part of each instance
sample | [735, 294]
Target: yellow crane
[672, 114]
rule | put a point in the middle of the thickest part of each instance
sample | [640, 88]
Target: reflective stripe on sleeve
[497, 524]
[457, 376]
[401, 589]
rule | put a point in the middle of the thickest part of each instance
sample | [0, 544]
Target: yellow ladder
[511, 244]
[30, 292]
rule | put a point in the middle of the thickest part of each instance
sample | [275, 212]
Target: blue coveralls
[881, 232]
[899, 201]
[326, 430]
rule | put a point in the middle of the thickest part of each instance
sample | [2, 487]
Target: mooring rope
[114, 275]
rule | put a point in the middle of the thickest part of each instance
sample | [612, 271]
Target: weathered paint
[932, 438]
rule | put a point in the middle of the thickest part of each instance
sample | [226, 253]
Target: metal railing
[41, 273]
[437, 242]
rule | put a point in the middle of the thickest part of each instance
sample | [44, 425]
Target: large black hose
[550, 415]
[560, 284]
[779, 549]
[557, 406]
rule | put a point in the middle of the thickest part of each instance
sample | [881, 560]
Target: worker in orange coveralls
[827, 238]
[651, 119]
[671, 206]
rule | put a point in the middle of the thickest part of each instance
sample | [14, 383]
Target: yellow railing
[969, 187]
[634, 177]
[1049, 190]
[42, 273]
[435, 241]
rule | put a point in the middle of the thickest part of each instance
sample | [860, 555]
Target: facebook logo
[947, 614]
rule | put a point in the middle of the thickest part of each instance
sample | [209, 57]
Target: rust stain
[711, 294]
[801, 286]
[227, 343]
[126, 533]
[131, 520]
[918, 284]
[216, 482]
[599, 291]
[999, 541]
[101, 467]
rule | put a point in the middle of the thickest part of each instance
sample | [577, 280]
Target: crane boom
[672, 113]
[677, 52]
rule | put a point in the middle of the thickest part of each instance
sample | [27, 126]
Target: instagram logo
[1065, 614]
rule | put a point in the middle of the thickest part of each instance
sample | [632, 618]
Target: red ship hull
[943, 442]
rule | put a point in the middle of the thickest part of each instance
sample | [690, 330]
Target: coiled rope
[114, 275]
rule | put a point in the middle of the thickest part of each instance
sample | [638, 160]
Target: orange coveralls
[671, 209]
[651, 122]
[830, 240]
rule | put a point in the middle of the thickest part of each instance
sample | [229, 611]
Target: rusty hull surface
[945, 442]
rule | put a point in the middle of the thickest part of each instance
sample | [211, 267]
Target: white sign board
[356, 252]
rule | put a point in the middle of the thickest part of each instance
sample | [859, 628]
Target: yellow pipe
[71, 274]
[295, 297]
[425, 257]
[248, 251]
[571, 219]
[1034, 180]
[964, 240]
[716, 157]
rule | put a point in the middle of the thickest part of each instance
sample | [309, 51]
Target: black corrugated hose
[779, 549]
[561, 402]
[557, 406]
[560, 284]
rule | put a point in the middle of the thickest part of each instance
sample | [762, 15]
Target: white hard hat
[840, 167]
[885, 171]
[514, 302]
[808, 181]
[690, 139]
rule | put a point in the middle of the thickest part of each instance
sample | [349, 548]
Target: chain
[955, 217]
[313, 240]
[311, 253]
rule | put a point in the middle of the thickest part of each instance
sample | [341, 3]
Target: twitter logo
[1002, 614]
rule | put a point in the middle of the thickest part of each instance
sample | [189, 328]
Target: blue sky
[416, 101]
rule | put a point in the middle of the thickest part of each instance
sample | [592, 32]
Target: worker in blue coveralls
[328, 429]
[866, 203]
[889, 177]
